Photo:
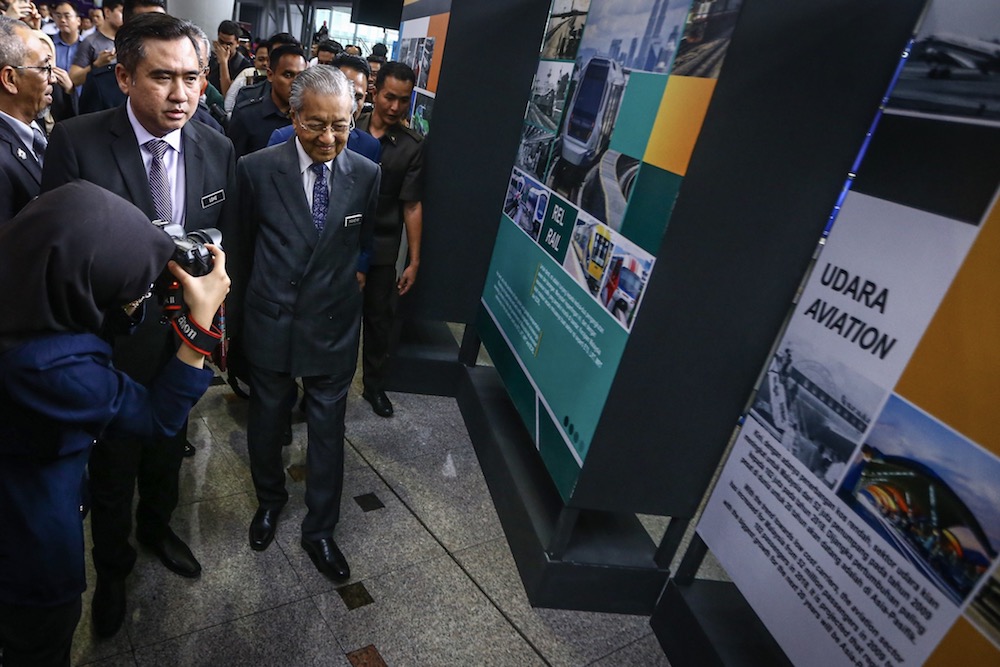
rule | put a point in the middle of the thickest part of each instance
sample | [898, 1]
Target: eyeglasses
[46, 68]
[321, 128]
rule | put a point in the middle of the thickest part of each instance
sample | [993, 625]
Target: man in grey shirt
[98, 50]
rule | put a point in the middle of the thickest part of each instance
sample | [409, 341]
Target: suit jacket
[20, 175]
[101, 147]
[302, 304]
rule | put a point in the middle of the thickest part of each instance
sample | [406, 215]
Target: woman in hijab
[70, 261]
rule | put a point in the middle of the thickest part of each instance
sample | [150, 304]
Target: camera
[189, 247]
[192, 255]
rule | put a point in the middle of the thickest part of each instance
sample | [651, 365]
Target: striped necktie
[159, 184]
[38, 144]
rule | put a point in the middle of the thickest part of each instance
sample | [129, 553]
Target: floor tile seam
[370, 465]
[621, 648]
[234, 619]
[243, 492]
[218, 431]
[329, 628]
[438, 506]
[464, 571]
[455, 429]
[462, 450]
[104, 658]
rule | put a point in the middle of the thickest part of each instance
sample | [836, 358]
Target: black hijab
[69, 256]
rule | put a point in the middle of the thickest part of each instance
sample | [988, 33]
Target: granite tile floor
[433, 580]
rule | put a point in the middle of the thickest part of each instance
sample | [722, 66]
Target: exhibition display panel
[857, 512]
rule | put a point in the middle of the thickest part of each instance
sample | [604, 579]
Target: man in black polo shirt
[399, 207]
[255, 119]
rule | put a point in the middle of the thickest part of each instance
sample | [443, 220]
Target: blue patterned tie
[38, 144]
[159, 185]
[321, 196]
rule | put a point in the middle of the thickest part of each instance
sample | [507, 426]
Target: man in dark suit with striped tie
[25, 90]
[148, 152]
[307, 208]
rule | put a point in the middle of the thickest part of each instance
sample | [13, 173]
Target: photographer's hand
[203, 296]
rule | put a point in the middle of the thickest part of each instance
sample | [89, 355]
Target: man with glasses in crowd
[307, 211]
[26, 80]
[356, 71]
[67, 36]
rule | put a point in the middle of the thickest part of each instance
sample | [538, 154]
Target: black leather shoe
[108, 606]
[189, 449]
[327, 558]
[380, 402]
[262, 528]
[173, 553]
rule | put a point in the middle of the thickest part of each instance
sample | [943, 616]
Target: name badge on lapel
[353, 220]
[215, 198]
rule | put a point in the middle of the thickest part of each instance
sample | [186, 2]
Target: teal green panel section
[560, 219]
[569, 345]
[522, 394]
[653, 195]
[558, 460]
[640, 105]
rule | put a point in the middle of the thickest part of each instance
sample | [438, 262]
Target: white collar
[142, 135]
[305, 161]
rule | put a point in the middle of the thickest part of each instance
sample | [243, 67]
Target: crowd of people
[303, 159]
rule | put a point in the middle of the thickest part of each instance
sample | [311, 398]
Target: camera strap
[194, 336]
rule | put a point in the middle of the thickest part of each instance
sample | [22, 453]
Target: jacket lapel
[342, 182]
[125, 151]
[20, 152]
[288, 183]
[194, 177]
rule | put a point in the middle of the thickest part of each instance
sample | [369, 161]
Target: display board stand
[426, 360]
[706, 623]
[567, 558]
[797, 93]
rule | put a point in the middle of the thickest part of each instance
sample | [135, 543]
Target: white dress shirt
[173, 162]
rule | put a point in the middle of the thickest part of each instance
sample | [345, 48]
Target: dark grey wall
[490, 57]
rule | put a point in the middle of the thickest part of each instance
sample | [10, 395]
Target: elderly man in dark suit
[307, 206]
[25, 90]
[147, 152]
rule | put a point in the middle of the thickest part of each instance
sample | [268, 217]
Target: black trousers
[325, 408]
[116, 467]
[378, 319]
[38, 636]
